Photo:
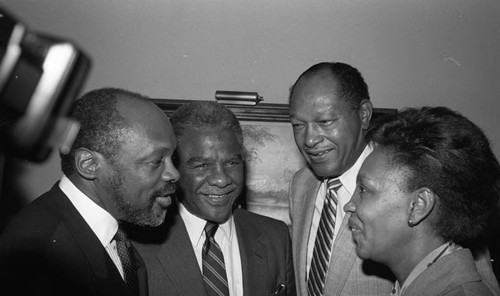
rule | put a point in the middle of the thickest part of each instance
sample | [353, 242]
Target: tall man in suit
[254, 252]
[330, 111]
[119, 169]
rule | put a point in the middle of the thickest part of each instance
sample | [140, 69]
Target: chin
[363, 254]
[324, 171]
[152, 220]
[219, 218]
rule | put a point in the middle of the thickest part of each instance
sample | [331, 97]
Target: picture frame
[271, 156]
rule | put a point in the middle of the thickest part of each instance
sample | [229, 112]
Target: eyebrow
[155, 152]
[203, 159]
[197, 159]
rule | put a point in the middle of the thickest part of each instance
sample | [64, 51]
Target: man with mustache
[119, 169]
[253, 252]
[330, 111]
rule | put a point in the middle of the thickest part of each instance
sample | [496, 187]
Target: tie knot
[333, 184]
[121, 235]
[211, 228]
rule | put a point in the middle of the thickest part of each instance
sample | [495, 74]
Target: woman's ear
[421, 205]
[87, 163]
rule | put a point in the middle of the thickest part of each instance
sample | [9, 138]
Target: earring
[410, 223]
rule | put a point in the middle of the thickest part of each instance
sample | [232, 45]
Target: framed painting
[271, 154]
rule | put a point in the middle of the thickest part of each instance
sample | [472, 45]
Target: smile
[218, 198]
[216, 195]
[354, 229]
[318, 154]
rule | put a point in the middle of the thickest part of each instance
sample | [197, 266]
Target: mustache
[220, 191]
[169, 189]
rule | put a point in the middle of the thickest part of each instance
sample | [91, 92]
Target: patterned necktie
[214, 270]
[126, 254]
[324, 241]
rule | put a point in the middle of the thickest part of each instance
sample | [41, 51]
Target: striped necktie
[214, 270]
[324, 241]
[127, 258]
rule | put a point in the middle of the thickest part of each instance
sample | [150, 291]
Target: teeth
[215, 195]
[320, 153]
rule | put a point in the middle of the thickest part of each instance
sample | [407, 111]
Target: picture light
[237, 97]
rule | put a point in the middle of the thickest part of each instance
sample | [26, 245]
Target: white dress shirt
[228, 241]
[344, 194]
[99, 220]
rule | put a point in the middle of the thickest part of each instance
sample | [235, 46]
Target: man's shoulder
[257, 220]
[37, 219]
[303, 175]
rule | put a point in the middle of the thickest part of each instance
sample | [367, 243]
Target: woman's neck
[420, 248]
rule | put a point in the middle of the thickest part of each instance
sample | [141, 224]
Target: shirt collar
[99, 220]
[430, 259]
[348, 179]
[195, 226]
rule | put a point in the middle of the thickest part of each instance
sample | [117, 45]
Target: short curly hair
[102, 127]
[351, 86]
[204, 114]
[447, 153]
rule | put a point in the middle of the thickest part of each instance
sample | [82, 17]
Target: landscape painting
[271, 160]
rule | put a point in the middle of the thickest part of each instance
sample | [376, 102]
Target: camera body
[40, 76]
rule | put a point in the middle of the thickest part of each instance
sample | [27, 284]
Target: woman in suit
[424, 195]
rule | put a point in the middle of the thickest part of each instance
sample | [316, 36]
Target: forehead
[319, 84]
[379, 166]
[208, 141]
[149, 128]
[316, 94]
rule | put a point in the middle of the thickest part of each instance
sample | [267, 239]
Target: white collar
[195, 226]
[348, 178]
[99, 220]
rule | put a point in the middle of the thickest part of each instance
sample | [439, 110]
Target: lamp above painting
[237, 97]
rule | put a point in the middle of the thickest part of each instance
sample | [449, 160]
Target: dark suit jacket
[49, 249]
[266, 257]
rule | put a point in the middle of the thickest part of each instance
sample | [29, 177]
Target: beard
[142, 216]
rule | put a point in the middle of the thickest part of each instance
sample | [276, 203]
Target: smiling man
[119, 169]
[252, 252]
[330, 111]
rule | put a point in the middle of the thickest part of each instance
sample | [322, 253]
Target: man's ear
[421, 205]
[365, 113]
[87, 163]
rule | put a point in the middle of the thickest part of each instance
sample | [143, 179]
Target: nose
[219, 177]
[170, 173]
[313, 135]
[350, 207]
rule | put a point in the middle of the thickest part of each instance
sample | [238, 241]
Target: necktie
[214, 270]
[324, 241]
[126, 254]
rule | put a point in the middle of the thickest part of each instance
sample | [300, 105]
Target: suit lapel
[342, 260]
[253, 257]
[343, 253]
[306, 192]
[74, 237]
[179, 261]
[141, 273]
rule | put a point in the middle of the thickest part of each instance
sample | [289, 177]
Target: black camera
[40, 76]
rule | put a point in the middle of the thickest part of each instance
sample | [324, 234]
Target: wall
[411, 53]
